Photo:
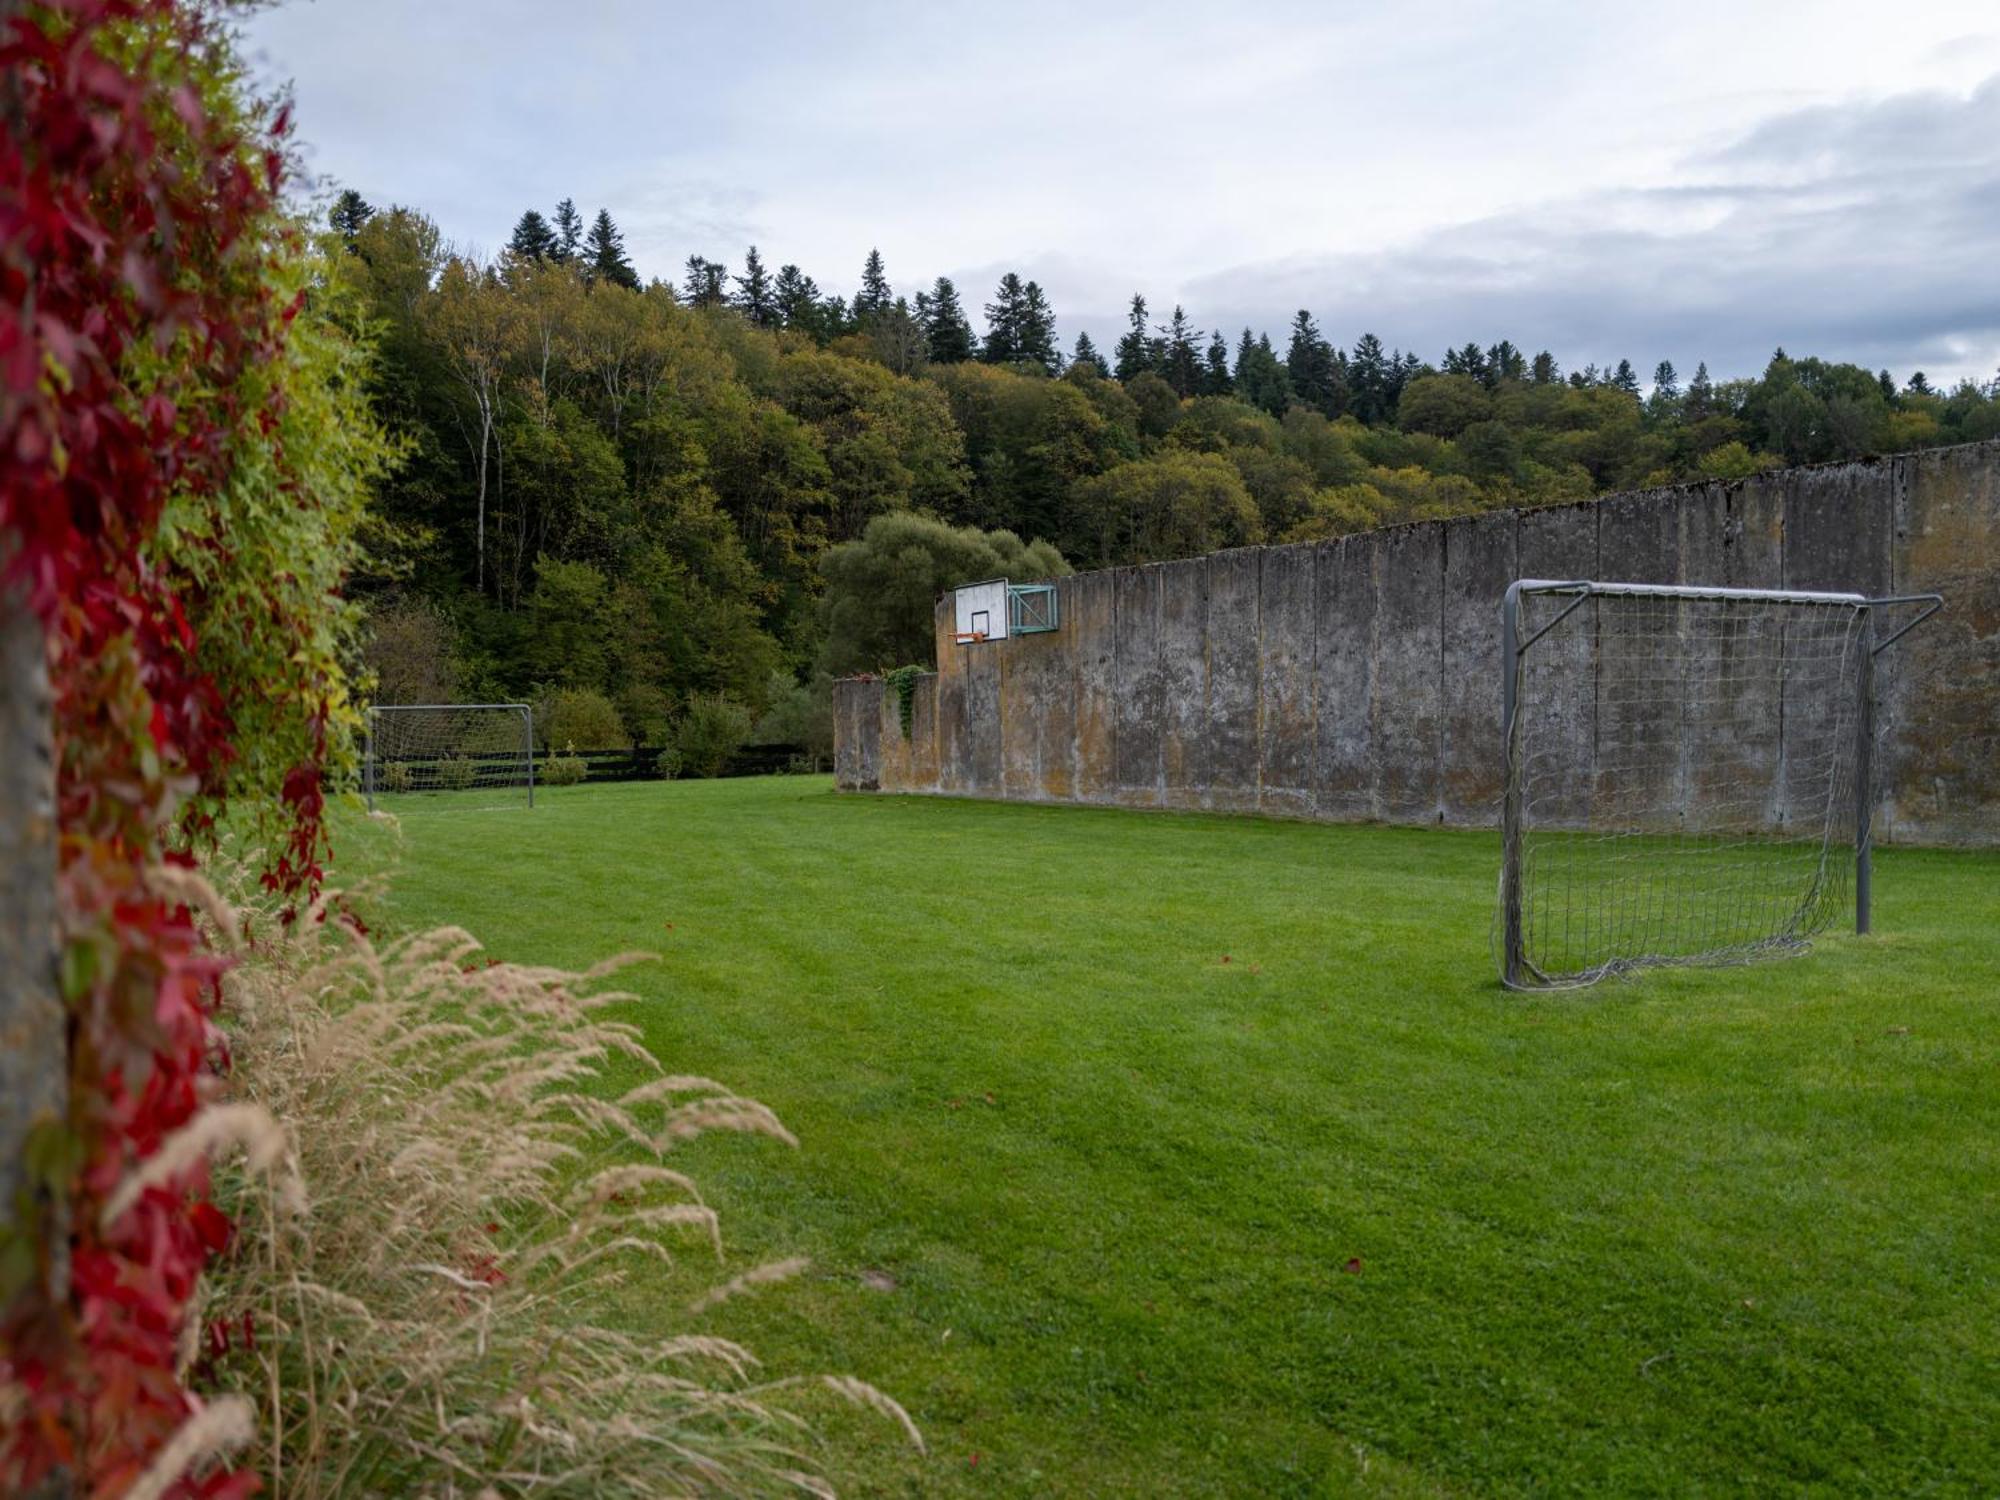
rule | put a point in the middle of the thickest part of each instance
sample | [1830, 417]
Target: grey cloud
[1866, 232]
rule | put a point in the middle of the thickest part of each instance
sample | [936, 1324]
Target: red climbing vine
[149, 297]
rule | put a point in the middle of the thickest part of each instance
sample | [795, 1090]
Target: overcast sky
[1690, 181]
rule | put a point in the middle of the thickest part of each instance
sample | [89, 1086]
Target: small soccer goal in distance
[1688, 772]
[449, 747]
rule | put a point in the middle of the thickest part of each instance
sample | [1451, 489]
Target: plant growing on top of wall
[904, 681]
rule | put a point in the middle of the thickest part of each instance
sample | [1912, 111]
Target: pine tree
[1368, 380]
[1700, 403]
[349, 213]
[754, 294]
[569, 231]
[1181, 362]
[1505, 362]
[874, 298]
[835, 318]
[1312, 368]
[1134, 353]
[1215, 379]
[1087, 357]
[1260, 376]
[1468, 359]
[604, 253]
[1407, 368]
[1666, 380]
[704, 282]
[1545, 370]
[1038, 330]
[1625, 378]
[796, 300]
[1919, 385]
[1006, 323]
[533, 239]
[947, 333]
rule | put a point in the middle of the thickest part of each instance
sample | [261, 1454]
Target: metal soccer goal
[449, 747]
[1689, 772]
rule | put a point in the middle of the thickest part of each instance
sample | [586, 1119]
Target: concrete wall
[1360, 678]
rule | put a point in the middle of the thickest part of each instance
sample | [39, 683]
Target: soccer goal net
[449, 747]
[1688, 774]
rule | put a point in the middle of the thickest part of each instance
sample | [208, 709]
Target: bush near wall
[711, 730]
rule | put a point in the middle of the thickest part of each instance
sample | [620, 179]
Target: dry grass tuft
[218, 1429]
[249, 1126]
[435, 1207]
[756, 1276]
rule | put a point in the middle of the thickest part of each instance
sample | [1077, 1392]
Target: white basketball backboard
[980, 610]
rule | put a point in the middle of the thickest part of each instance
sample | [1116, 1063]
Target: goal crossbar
[1684, 768]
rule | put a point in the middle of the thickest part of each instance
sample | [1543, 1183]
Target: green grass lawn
[1202, 1156]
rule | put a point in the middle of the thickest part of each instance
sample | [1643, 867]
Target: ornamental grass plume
[416, 1298]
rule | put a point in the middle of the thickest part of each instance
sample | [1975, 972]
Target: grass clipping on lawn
[408, 1300]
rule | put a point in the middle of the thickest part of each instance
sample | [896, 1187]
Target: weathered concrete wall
[32, 1066]
[1360, 678]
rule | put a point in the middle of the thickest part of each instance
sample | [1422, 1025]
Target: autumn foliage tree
[183, 449]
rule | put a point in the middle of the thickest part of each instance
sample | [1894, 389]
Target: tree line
[731, 485]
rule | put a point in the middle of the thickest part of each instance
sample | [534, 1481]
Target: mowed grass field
[1150, 1154]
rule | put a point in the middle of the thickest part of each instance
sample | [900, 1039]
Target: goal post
[448, 747]
[1689, 772]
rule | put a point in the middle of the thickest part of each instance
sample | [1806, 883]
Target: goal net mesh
[1680, 780]
[448, 748]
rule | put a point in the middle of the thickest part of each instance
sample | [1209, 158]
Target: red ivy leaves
[132, 222]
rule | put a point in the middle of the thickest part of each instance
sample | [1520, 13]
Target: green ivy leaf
[77, 971]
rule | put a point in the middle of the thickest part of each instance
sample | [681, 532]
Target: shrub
[424, 1232]
[567, 769]
[457, 773]
[647, 712]
[710, 732]
[669, 763]
[580, 716]
[395, 777]
[800, 714]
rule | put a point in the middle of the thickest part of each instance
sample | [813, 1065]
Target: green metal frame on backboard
[1031, 608]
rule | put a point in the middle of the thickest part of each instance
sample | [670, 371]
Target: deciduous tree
[882, 587]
